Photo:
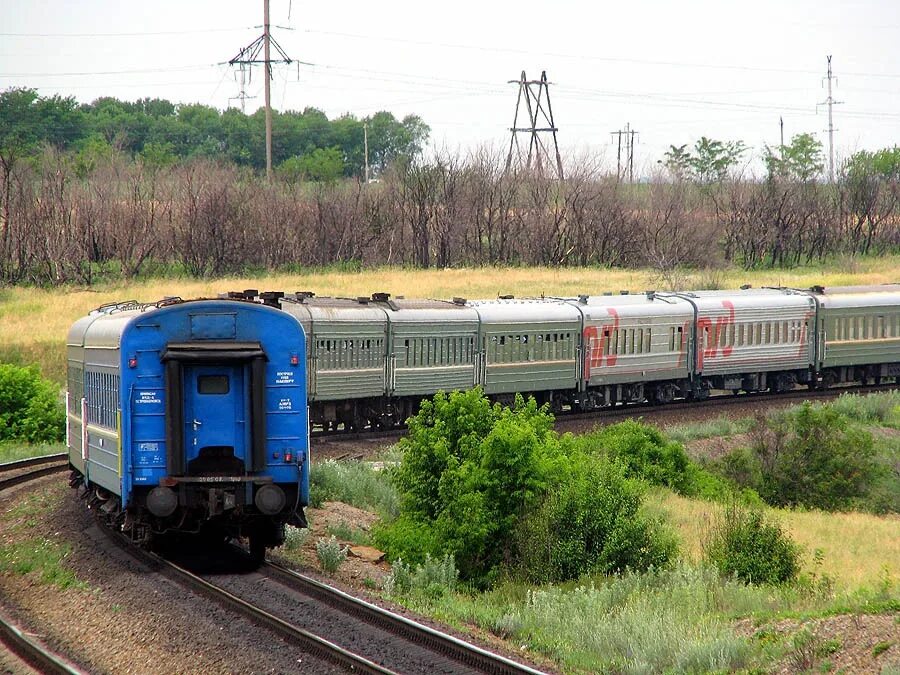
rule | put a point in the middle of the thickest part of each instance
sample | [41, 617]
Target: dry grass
[34, 321]
[858, 549]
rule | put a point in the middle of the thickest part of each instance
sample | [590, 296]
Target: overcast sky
[673, 70]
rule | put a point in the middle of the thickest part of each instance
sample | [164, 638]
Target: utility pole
[249, 56]
[830, 102]
[366, 146]
[628, 133]
[537, 102]
[268, 78]
[781, 125]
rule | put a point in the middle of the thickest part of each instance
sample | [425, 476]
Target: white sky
[674, 70]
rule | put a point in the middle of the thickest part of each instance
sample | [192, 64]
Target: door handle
[197, 423]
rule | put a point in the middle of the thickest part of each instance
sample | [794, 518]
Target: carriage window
[212, 384]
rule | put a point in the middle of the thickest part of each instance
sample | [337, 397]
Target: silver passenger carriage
[635, 347]
[751, 340]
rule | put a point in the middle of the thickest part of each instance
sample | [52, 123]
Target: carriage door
[216, 433]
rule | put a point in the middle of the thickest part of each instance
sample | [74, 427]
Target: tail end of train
[190, 417]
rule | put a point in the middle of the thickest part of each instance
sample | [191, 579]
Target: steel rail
[56, 464]
[309, 642]
[433, 640]
[33, 653]
[31, 461]
[643, 408]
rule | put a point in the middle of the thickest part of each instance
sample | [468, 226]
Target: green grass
[346, 532]
[11, 451]
[354, 483]
[882, 409]
[29, 554]
[42, 560]
[720, 426]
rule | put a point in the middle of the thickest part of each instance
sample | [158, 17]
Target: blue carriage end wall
[143, 392]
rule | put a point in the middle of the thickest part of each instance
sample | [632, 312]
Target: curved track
[460, 651]
[24, 470]
[18, 642]
[400, 641]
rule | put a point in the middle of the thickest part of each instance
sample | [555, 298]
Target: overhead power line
[133, 34]
[588, 57]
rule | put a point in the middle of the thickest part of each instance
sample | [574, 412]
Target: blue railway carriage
[857, 333]
[190, 416]
[752, 340]
[635, 347]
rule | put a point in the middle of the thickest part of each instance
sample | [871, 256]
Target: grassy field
[34, 321]
[856, 550]
[10, 451]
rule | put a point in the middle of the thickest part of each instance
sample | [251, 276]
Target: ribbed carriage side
[347, 345]
[636, 346]
[433, 347]
[859, 334]
[529, 347]
[95, 394]
[754, 339]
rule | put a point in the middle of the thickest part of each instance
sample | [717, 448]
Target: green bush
[469, 470]
[644, 452]
[354, 483]
[433, 578]
[590, 523]
[29, 406]
[744, 544]
[813, 456]
[330, 554]
[882, 408]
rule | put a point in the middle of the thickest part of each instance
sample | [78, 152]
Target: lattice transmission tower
[536, 96]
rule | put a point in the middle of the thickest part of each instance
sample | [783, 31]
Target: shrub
[743, 544]
[644, 452]
[590, 523]
[354, 483]
[295, 537]
[813, 456]
[432, 578]
[882, 408]
[330, 554]
[29, 406]
[469, 469]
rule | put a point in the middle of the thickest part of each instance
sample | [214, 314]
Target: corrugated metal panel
[534, 376]
[342, 384]
[416, 381]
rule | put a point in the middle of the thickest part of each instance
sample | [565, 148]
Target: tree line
[69, 213]
[207, 218]
[158, 131]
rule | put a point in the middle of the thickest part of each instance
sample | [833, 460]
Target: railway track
[469, 655]
[24, 470]
[626, 410]
[400, 641]
[26, 648]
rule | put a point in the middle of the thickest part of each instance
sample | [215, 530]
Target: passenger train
[194, 416]
[371, 360]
